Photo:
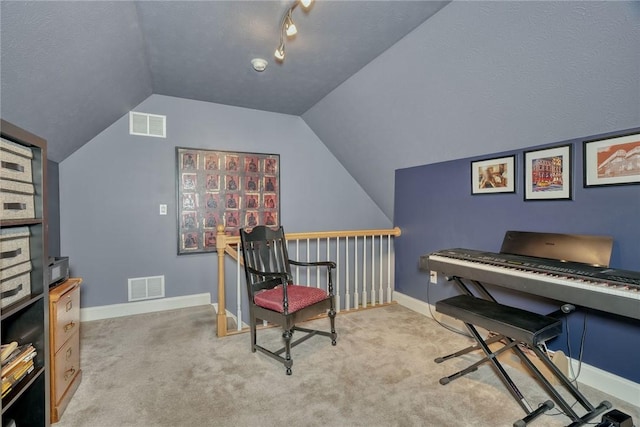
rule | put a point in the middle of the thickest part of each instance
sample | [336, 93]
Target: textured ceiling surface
[485, 77]
[70, 69]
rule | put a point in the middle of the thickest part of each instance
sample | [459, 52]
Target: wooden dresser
[64, 341]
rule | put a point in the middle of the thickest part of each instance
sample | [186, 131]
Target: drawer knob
[69, 326]
[69, 373]
[69, 305]
[69, 352]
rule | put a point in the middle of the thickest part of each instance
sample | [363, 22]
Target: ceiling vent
[147, 124]
[142, 288]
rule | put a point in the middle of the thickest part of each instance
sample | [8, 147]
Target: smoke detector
[259, 64]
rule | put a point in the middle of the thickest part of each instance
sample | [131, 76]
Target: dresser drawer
[15, 161]
[66, 319]
[14, 246]
[67, 365]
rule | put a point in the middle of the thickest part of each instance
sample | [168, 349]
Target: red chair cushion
[299, 298]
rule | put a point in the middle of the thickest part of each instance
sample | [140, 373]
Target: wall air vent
[141, 288]
[147, 124]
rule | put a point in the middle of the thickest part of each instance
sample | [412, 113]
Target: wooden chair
[273, 296]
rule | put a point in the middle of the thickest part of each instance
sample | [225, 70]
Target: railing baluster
[307, 268]
[238, 295]
[347, 295]
[388, 268]
[356, 295]
[380, 291]
[318, 259]
[328, 256]
[337, 275]
[364, 272]
[297, 257]
[373, 271]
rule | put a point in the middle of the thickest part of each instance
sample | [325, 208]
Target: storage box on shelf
[64, 339]
[24, 306]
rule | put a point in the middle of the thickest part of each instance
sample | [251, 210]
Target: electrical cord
[580, 355]
[447, 327]
[575, 375]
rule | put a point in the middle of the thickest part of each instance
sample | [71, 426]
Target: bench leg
[469, 349]
[474, 367]
[591, 411]
[506, 379]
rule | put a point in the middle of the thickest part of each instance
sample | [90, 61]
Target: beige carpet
[169, 369]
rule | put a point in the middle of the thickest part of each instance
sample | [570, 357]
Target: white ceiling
[70, 69]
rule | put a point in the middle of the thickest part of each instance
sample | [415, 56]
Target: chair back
[264, 251]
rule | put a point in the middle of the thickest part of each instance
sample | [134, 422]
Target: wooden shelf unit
[27, 320]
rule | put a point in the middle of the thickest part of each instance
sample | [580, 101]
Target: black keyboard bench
[520, 325]
[514, 326]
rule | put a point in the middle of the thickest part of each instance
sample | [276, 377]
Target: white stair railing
[365, 260]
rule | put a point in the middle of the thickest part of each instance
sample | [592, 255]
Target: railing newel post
[222, 312]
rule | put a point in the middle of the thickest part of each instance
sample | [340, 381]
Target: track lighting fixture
[288, 28]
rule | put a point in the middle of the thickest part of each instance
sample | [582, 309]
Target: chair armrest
[329, 264]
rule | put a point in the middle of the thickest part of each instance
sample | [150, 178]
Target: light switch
[163, 209]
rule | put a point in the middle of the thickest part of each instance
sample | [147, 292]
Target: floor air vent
[147, 124]
[141, 288]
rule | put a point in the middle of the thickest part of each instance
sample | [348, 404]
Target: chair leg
[252, 327]
[287, 334]
[332, 319]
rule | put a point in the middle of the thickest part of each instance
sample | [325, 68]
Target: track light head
[279, 53]
[289, 27]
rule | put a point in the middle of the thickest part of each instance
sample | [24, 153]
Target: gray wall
[53, 208]
[110, 190]
[483, 77]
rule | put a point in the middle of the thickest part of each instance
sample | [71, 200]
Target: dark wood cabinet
[25, 316]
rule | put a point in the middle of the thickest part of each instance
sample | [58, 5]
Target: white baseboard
[609, 383]
[414, 304]
[141, 307]
[229, 314]
[591, 376]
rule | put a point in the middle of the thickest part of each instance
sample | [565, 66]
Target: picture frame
[233, 189]
[491, 176]
[547, 173]
[613, 160]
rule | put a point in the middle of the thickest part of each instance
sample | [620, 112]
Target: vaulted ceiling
[70, 69]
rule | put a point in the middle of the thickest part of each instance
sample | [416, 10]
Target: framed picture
[547, 174]
[232, 189]
[493, 176]
[612, 161]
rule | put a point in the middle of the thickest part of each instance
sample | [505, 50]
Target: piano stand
[515, 326]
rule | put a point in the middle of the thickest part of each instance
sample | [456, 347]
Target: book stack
[17, 363]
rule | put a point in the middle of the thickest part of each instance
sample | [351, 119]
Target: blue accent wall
[435, 210]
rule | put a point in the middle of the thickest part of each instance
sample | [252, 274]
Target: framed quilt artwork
[232, 189]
